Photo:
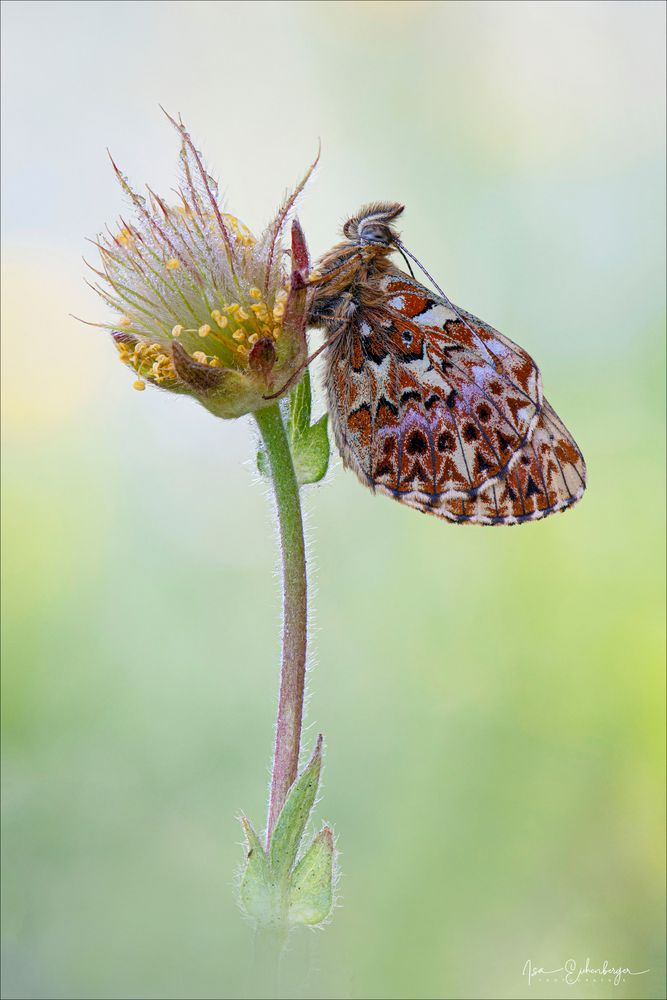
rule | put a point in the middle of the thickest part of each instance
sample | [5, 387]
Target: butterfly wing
[435, 408]
[549, 475]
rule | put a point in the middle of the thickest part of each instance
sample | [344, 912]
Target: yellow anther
[255, 293]
[314, 276]
[200, 357]
[277, 330]
[281, 296]
[239, 335]
[232, 308]
[242, 350]
[177, 330]
[253, 338]
[173, 264]
[139, 385]
[221, 320]
[241, 232]
[204, 330]
[278, 311]
[215, 363]
[242, 315]
[124, 321]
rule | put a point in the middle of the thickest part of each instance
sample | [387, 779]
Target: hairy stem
[295, 611]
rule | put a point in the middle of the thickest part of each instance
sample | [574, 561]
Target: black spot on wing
[383, 402]
[373, 350]
[505, 443]
[445, 364]
[531, 487]
[416, 443]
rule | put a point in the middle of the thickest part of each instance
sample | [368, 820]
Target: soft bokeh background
[492, 700]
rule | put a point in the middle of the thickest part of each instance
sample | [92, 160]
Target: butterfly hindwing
[427, 401]
[548, 476]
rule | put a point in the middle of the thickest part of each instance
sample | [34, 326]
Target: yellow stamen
[215, 363]
[200, 357]
[253, 338]
[239, 335]
[204, 330]
[139, 385]
[177, 330]
[242, 315]
[255, 293]
[173, 264]
[221, 320]
[124, 321]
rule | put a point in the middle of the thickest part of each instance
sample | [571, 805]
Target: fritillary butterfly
[429, 404]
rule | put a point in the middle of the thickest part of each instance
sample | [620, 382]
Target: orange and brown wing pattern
[428, 402]
[440, 411]
[549, 476]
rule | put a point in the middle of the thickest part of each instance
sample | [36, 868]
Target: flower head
[202, 306]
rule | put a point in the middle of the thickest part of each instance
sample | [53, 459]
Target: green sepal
[311, 883]
[293, 817]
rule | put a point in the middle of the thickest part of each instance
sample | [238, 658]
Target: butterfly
[428, 404]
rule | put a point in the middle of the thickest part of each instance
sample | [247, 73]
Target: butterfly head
[372, 225]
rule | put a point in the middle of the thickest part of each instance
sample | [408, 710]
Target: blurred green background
[491, 699]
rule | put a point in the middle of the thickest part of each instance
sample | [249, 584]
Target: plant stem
[295, 611]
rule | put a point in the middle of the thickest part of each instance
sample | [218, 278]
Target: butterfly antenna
[404, 250]
[400, 250]
[295, 377]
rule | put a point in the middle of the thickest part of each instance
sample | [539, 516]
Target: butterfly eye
[375, 232]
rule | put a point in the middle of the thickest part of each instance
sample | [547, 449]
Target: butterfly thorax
[346, 282]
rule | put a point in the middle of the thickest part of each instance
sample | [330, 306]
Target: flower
[203, 307]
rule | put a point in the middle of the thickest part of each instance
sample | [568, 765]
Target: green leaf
[299, 408]
[309, 445]
[258, 891]
[310, 453]
[311, 882]
[294, 815]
